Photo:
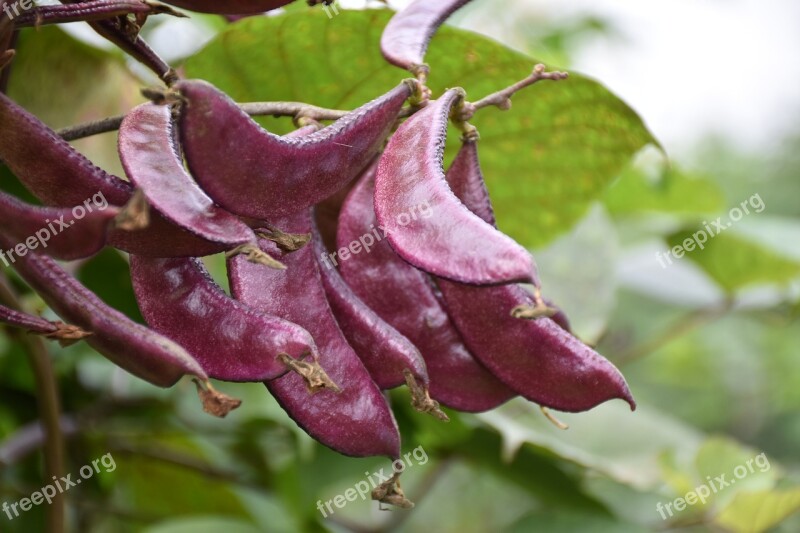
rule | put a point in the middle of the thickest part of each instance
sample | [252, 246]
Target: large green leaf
[735, 262]
[545, 161]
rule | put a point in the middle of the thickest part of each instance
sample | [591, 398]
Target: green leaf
[733, 261]
[674, 192]
[752, 512]
[545, 161]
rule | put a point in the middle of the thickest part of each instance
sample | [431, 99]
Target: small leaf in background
[753, 512]
[735, 262]
[545, 161]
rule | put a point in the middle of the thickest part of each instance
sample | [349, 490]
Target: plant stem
[49, 408]
[276, 109]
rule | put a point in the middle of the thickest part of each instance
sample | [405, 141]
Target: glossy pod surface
[453, 243]
[254, 173]
[231, 341]
[356, 421]
[536, 358]
[152, 164]
[404, 297]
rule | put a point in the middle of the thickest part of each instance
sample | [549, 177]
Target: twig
[277, 109]
[49, 408]
[682, 326]
[502, 99]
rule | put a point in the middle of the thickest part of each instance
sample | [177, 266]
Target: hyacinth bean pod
[390, 358]
[230, 7]
[46, 164]
[357, 420]
[95, 10]
[66, 234]
[454, 243]
[465, 179]
[131, 346]
[536, 358]
[257, 174]
[231, 341]
[404, 297]
[64, 333]
[405, 39]
[152, 163]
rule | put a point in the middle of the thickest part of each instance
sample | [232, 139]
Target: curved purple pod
[452, 242]
[356, 421]
[152, 163]
[465, 179]
[66, 234]
[133, 347]
[404, 297]
[405, 39]
[231, 341]
[391, 359]
[536, 358]
[230, 7]
[60, 176]
[64, 333]
[254, 173]
[87, 12]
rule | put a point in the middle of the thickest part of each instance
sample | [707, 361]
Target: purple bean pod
[453, 242]
[536, 358]
[63, 233]
[231, 341]
[152, 164]
[131, 346]
[96, 10]
[404, 297]
[254, 173]
[356, 421]
[405, 39]
[58, 175]
[66, 334]
[390, 358]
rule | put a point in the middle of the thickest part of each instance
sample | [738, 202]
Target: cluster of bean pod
[434, 302]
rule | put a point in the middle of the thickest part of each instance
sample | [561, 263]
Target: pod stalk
[421, 399]
[214, 402]
[316, 378]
